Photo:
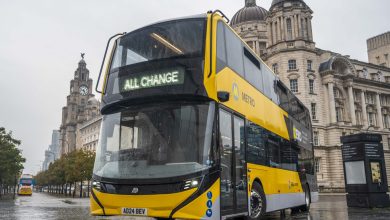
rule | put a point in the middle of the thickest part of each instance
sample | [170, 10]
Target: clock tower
[75, 112]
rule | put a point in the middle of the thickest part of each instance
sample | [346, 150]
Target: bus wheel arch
[258, 201]
[307, 191]
[306, 206]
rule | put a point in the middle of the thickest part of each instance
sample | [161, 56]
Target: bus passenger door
[234, 198]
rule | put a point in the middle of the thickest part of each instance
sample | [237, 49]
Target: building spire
[250, 3]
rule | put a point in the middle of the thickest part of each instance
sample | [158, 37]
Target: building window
[371, 119]
[365, 73]
[315, 139]
[337, 93]
[292, 64]
[309, 65]
[385, 120]
[358, 117]
[311, 86]
[369, 98]
[313, 111]
[356, 96]
[339, 114]
[276, 32]
[294, 85]
[317, 164]
[275, 68]
[289, 29]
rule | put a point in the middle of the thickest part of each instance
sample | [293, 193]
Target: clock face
[83, 90]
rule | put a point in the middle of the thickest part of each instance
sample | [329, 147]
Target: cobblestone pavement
[44, 206]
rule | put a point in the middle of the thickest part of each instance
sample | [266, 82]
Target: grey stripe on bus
[283, 201]
[215, 210]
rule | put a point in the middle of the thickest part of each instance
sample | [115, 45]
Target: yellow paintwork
[25, 191]
[94, 206]
[197, 208]
[210, 82]
[264, 112]
[159, 205]
[274, 180]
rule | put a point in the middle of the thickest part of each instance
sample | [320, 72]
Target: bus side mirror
[223, 96]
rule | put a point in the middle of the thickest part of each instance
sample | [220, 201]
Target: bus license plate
[134, 211]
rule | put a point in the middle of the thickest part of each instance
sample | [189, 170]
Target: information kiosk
[364, 170]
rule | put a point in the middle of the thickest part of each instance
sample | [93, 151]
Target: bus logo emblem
[135, 190]
[236, 92]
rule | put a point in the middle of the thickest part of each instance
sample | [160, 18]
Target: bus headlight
[96, 185]
[191, 184]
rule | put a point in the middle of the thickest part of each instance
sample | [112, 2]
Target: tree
[11, 160]
[73, 167]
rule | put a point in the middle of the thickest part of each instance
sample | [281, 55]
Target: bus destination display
[152, 79]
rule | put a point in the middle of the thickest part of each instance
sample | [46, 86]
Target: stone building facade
[88, 134]
[345, 96]
[81, 106]
[378, 48]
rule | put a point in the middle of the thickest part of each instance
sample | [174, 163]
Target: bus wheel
[258, 201]
[306, 207]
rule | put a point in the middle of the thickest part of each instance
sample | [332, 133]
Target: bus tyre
[257, 202]
[306, 207]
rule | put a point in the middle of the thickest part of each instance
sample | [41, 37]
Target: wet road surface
[44, 206]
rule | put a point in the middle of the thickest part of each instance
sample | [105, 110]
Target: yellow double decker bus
[196, 126]
[26, 185]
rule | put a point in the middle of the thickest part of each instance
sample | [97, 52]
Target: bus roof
[203, 15]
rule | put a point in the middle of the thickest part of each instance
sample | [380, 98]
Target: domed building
[250, 23]
[344, 96]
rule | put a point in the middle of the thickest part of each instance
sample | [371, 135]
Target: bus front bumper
[202, 206]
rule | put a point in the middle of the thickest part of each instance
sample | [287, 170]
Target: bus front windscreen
[181, 38]
[159, 141]
[26, 182]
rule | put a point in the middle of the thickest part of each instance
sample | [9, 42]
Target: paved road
[44, 206]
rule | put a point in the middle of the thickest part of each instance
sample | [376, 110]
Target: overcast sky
[41, 41]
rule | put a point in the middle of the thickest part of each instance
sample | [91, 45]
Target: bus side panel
[283, 188]
[247, 100]
[206, 206]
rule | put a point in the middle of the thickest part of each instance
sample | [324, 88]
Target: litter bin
[364, 170]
